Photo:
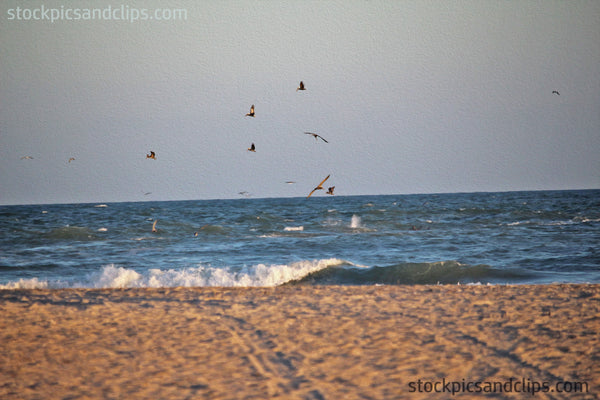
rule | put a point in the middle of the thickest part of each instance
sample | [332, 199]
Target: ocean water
[476, 238]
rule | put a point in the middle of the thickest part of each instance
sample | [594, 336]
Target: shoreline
[301, 342]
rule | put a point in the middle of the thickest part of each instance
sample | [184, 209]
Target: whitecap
[293, 228]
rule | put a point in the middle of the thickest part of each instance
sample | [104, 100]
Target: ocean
[536, 237]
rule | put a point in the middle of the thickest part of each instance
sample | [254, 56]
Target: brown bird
[252, 148]
[301, 87]
[316, 136]
[320, 187]
[330, 190]
[71, 159]
[154, 226]
[251, 113]
[151, 155]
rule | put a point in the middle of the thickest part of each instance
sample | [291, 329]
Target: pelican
[252, 148]
[154, 226]
[301, 87]
[71, 159]
[555, 92]
[151, 155]
[317, 137]
[251, 113]
[320, 187]
[330, 190]
[26, 158]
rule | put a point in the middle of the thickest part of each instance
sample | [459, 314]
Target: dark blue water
[514, 237]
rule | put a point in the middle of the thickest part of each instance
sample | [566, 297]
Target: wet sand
[301, 342]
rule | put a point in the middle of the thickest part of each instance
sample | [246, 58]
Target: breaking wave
[330, 271]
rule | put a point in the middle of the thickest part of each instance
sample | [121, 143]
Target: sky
[412, 96]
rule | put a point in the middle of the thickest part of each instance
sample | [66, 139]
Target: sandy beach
[301, 342]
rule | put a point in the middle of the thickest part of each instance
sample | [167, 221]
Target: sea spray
[355, 222]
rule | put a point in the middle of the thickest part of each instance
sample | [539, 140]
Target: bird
[555, 92]
[301, 87]
[26, 158]
[71, 159]
[151, 155]
[252, 148]
[320, 187]
[154, 226]
[316, 136]
[251, 113]
[330, 190]
[290, 182]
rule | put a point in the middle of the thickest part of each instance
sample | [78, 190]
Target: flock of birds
[252, 148]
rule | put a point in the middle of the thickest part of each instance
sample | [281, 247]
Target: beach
[302, 342]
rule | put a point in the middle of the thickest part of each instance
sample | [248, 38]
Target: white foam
[293, 228]
[355, 222]
[260, 275]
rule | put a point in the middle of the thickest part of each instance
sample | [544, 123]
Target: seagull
[301, 87]
[151, 155]
[71, 159]
[320, 187]
[154, 226]
[290, 182]
[316, 136]
[330, 190]
[251, 113]
[26, 158]
[252, 148]
[555, 92]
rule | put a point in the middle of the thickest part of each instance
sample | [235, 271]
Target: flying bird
[555, 92]
[320, 187]
[251, 113]
[26, 158]
[154, 226]
[71, 159]
[290, 182]
[316, 136]
[330, 190]
[301, 87]
[252, 148]
[151, 155]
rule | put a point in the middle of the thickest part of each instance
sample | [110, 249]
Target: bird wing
[323, 181]
[323, 139]
[310, 194]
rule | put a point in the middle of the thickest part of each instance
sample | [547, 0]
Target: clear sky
[413, 97]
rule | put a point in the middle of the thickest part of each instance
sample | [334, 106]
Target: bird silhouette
[26, 158]
[301, 87]
[71, 159]
[319, 187]
[252, 148]
[555, 92]
[330, 190]
[152, 155]
[316, 136]
[251, 113]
